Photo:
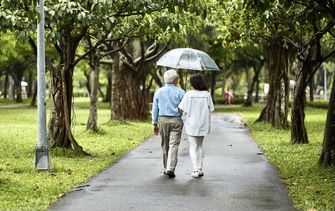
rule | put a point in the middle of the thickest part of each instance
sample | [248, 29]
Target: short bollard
[42, 159]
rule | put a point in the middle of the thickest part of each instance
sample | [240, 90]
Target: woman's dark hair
[198, 83]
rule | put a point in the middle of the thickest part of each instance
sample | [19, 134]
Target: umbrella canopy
[187, 58]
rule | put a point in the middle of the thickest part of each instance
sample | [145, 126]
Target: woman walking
[196, 106]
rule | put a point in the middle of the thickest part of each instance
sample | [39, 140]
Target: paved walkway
[237, 177]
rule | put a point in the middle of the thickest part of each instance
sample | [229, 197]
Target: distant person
[196, 107]
[166, 119]
[228, 95]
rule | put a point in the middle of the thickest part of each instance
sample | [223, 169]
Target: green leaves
[17, 14]
[181, 17]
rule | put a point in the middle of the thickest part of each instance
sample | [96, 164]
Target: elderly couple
[171, 110]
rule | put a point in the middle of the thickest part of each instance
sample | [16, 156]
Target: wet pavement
[237, 177]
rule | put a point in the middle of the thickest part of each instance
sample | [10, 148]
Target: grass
[310, 185]
[24, 188]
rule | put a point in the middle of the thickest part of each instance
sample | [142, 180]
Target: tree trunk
[59, 127]
[11, 89]
[19, 69]
[116, 106]
[129, 80]
[6, 84]
[67, 93]
[87, 75]
[136, 102]
[298, 129]
[248, 101]
[311, 90]
[56, 127]
[34, 95]
[108, 95]
[223, 85]
[154, 73]
[276, 109]
[257, 90]
[18, 91]
[31, 84]
[213, 85]
[310, 59]
[255, 80]
[182, 80]
[92, 122]
[327, 156]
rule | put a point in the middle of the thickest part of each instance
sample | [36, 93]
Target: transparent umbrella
[188, 59]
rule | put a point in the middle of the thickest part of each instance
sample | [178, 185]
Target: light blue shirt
[166, 101]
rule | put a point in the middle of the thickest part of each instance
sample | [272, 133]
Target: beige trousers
[170, 129]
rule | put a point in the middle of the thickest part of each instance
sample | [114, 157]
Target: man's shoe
[201, 173]
[170, 174]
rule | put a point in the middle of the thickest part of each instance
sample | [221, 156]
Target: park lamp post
[42, 155]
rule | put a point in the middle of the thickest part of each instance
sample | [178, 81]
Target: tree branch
[89, 51]
[115, 50]
[158, 53]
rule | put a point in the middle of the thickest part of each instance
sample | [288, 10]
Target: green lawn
[24, 188]
[310, 185]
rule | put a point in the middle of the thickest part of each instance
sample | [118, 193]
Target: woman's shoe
[195, 174]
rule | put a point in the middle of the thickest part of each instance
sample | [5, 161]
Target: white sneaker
[201, 173]
[195, 174]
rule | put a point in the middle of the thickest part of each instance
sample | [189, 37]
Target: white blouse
[196, 106]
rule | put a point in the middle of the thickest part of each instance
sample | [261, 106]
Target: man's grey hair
[170, 76]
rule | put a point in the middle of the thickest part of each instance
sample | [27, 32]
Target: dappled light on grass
[310, 185]
[22, 187]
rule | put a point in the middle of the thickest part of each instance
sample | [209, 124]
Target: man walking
[166, 119]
